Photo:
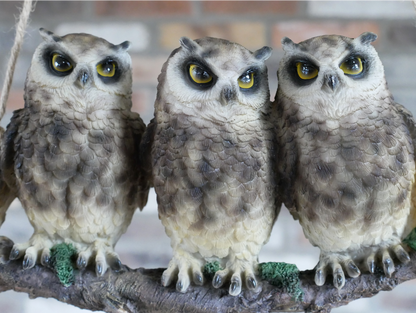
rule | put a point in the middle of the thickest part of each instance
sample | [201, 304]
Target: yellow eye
[306, 70]
[60, 63]
[352, 66]
[246, 81]
[199, 75]
[107, 68]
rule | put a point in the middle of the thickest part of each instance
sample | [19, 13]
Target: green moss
[410, 240]
[62, 259]
[211, 268]
[282, 275]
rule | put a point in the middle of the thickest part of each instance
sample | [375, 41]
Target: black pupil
[200, 74]
[107, 67]
[307, 69]
[353, 64]
[246, 78]
[62, 63]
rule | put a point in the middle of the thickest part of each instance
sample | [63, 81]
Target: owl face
[81, 66]
[330, 72]
[212, 74]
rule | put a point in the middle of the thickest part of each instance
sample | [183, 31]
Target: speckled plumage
[210, 152]
[346, 158]
[71, 155]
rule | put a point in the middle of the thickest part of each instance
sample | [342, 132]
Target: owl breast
[357, 171]
[214, 183]
[74, 170]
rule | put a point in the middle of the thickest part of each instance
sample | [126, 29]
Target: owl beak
[82, 79]
[332, 81]
[227, 95]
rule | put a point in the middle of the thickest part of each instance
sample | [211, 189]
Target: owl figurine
[345, 162]
[71, 155]
[211, 150]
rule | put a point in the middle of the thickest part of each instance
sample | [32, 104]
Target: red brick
[299, 31]
[250, 7]
[147, 69]
[143, 8]
[251, 35]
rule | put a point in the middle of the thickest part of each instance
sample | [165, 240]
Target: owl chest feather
[210, 177]
[356, 170]
[71, 162]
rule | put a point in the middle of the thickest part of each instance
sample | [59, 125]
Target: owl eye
[246, 81]
[352, 66]
[107, 68]
[60, 63]
[199, 75]
[306, 70]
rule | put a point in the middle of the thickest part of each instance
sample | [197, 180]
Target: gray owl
[211, 142]
[71, 155]
[346, 157]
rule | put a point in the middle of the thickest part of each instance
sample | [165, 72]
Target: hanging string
[18, 40]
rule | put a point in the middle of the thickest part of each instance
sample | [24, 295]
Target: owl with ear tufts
[71, 155]
[345, 164]
[211, 145]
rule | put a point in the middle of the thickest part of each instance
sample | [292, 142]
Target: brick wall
[154, 28]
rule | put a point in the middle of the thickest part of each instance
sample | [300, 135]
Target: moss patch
[211, 268]
[62, 259]
[410, 240]
[282, 275]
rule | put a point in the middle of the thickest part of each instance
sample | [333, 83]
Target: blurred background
[154, 28]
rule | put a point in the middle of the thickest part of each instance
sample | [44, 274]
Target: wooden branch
[140, 291]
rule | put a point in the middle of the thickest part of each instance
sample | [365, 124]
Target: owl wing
[409, 121]
[8, 188]
[146, 150]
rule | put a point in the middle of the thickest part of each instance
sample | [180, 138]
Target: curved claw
[401, 254]
[388, 265]
[15, 254]
[81, 261]
[352, 269]
[339, 277]
[28, 262]
[251, 282]
[219, 278]
[45, 258]
[371, 263]
[320, 276]
[235, 286]
[198, 278]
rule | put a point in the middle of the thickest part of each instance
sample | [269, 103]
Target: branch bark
[139, 291]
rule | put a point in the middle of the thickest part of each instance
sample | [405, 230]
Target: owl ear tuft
[288, 44]
[263, 53]
[367, 38]
[49, 36]
[123, 46]
[189, 44]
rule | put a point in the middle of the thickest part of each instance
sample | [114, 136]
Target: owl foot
[103, 255]
[386, 259]
[37, 247]
[237, 270]
[335, 263]
[182, 264]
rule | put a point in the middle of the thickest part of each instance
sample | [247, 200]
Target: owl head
[333, 73]
[214, 75]
[81, 67]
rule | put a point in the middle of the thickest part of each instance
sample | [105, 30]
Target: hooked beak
[332, 81]
[227, 95]
[82, 79]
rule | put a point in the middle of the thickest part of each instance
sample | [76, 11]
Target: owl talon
[183, 281]
[81, 262]
[339, 278]
[401, 254]
[14, 254]
[388, 265]
[251, 283]
[217, 282]
[320, 277]
[198, 279]
[28, 262]
[45, 258]
[99, 270]
[235, 287]
[371, 264]
[352, 269]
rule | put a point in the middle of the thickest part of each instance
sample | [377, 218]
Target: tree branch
[137, 291]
